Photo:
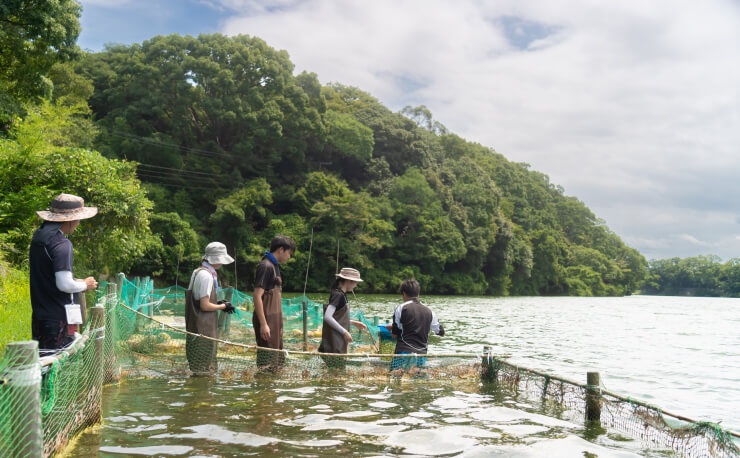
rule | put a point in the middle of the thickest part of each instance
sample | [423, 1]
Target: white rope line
[304, 353]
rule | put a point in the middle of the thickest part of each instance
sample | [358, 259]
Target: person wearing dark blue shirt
[56, 313]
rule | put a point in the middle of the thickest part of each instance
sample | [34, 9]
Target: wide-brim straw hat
[67, 207]
[216, 254]
[349, 273]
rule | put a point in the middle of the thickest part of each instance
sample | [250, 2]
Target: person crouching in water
[335, 335]
[201, 310]
[412, 321]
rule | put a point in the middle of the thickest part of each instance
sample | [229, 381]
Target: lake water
[680, 354]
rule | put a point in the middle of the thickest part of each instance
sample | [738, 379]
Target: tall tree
[33, 171]
[34, 35]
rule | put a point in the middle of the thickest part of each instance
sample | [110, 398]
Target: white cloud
[692, 240]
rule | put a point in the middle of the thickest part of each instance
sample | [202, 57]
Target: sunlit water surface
[681, 354]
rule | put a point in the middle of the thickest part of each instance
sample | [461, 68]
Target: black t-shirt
[412, 322]
[267, 275]
[50, 252]
[338, 299]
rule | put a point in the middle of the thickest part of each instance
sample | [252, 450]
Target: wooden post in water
[593, 397]
[21, 431]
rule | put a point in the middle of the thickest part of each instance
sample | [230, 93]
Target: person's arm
[329, 318]
[259, 310]
[358, 324]
[396, 326]
[61, 257]
[437, 326]
[203, 287]
[67, 284]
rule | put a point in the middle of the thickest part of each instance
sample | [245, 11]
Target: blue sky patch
[521, 33]
[136, 22]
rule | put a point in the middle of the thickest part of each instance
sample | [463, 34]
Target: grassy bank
[15, 306]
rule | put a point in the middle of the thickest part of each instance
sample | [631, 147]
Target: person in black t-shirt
[335, 335]
[56, 312]
[412, 322]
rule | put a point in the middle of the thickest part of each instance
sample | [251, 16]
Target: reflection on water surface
[204, 417]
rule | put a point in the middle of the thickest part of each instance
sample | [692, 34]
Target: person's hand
[360, 325]
[228, 308]
[265, 332]
[348, 337]
[90, 283]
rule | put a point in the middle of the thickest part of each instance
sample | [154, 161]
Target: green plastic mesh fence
[653, 426]
[150, 337]
[63, 391]
[136, 330]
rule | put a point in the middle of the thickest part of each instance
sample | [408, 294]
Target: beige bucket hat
[216, 254]
[67, 207]
[349, 273]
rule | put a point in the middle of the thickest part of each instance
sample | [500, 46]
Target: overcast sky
[633, 107]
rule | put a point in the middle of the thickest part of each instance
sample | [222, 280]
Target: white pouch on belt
[74, 314]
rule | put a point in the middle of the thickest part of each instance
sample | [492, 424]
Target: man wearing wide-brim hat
[54, 291]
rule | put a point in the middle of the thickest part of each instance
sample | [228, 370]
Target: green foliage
[425, 235]
[34, 35]
[205, 103]
[33, 170]
[15, 306]
[238, 215]
[172, 250]
[694, 276]
[348, 138]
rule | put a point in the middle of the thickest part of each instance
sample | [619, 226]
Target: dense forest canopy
[183, 140]
[694, 276]
[233, 146]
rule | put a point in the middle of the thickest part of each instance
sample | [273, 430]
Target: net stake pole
[82, 298]
[110, 359]
[24, 435]
[304, 308]
[97, 325]
[304, 305]
[593, 397]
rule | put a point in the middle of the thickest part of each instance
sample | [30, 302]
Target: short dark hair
[282, 241]
[410, 287]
